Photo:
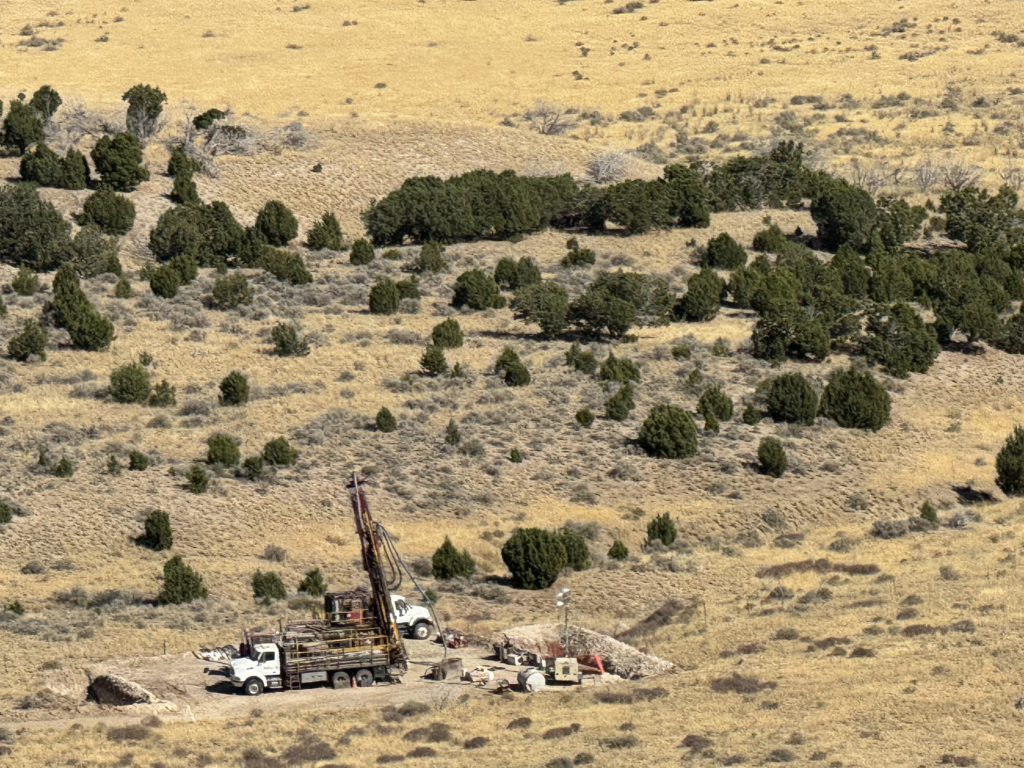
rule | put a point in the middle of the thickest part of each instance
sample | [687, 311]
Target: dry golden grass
[453, 71]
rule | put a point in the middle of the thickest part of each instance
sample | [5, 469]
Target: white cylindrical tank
[531, 679]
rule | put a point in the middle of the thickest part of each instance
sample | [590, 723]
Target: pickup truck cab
[413, 620]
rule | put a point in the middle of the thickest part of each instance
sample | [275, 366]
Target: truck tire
[364, 678]
[253, 686]
[420, 631]
[340, 679]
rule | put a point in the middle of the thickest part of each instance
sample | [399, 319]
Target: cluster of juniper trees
[875, 298]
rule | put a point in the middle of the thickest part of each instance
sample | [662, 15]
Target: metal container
[531, 680]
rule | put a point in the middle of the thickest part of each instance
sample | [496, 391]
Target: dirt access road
[184, 691]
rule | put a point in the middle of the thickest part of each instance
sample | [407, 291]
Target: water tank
[531, 679]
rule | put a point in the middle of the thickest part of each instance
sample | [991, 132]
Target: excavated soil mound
[618, 657]
[118, 692]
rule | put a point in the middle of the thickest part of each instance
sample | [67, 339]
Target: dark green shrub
[844, 214]
[30, 340]
[184, 191]
[204, 120]
[325, 234]
[288, 341]
[119, 162]
[197, 479]
[576, 256]
[511, 368]
[252, 468]
[408, 289]
[230, 291]
[618, 369]
[32, 231]
[114, 214]
[431, 258]
[178, 232]
[179, 163]
[544, 303]
[163, 395]
[22, 127]
[535, 557]
[616, 301]
[46, 168]
[123, 289]
[790, 332]
[577, 554]
[234, 389]
[1011, 339]
[95, 253]
[46, 101]
[855, 399]
[26, 282]
[723, 252]
[433, 362]
[285, 266]
[71, 309]
[130, 384]
[361, 253]
[157, 533]
[704, 293]
[714, 402]
[929, 513]
[181, 583]
[899, 339]
[65, 467]
[476, 289]
[452, 435]
[137, 461]
[852, 271]
[1010, 464]
[668, 432]
[447, 334]
[618, 551]
[513, 275]
[448, 563]
[771, 457]
[515, 456]
[276, 224]
[636, 206]
[145, 103]
[384, 298]
[620, 404]
[580, 359]
[279, 453]
[791, 397]
[223, 450]
[165, 281]
[267, 587]
[385, 421]
[313, 583]
[661, 528]
[584, 417]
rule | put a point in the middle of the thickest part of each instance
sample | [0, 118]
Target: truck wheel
[253, 686]
[421, 631]
[340, 679]
[364, 678]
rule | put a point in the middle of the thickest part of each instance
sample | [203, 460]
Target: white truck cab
[259, 670]
[413, 620]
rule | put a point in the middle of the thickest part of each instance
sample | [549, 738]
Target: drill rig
[357, 642]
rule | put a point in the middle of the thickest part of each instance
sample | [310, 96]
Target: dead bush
[431, 734]
[561, 732]
[737, 683]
